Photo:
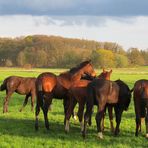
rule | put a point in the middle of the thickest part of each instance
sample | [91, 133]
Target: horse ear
[111, 71]
[103, 69]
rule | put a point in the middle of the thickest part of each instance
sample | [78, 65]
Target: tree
[144, 54]
[103, 58]
[70, 59]
[8, 63]
[135, 57]
[21, 60]
[41, 59]
[121, 60]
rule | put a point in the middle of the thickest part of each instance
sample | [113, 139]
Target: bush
[103, 58]
[121, 60]
[8, 63]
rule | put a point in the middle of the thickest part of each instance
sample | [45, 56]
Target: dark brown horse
[78, 93]
[20, 85]
[49, 86]
[101, 93]
[141, 104]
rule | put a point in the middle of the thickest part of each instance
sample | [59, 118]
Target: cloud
[75, 7]
[128, 32]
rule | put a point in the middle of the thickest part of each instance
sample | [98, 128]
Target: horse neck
[67, 79]
[103, 77]
[77, 76]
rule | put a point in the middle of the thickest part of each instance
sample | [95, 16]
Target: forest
[58, 52]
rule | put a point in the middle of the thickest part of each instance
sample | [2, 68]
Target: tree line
[59, 52]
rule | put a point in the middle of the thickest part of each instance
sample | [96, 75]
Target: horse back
[79, 90]
[46, 82]
[140, 96]
[141, 89]
[106, 90]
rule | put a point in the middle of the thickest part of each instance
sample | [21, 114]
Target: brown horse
[20, 85]
[78, 93]
[101, 93]
[141, 103]
[49, 86]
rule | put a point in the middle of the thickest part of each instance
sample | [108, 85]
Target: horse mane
[75, 69]
[78, 67]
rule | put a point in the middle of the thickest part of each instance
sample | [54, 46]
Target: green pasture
[17, 128]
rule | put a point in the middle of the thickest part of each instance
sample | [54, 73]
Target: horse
[140, 95]
[103, 93]
[20, 85]
[49, 86]
[78, 93]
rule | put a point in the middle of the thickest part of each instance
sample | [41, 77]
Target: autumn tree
[103, 58]
[121, 60]
[135, 57]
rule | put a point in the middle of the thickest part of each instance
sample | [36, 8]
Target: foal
[141, 103]
[20, 85]
[78, 93]
[49, 86]
[101, 93]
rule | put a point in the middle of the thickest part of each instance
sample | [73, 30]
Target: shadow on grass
[25, 128]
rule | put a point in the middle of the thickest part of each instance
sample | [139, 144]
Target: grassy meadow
[17, 128]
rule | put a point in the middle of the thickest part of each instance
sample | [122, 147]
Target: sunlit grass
[17, 129]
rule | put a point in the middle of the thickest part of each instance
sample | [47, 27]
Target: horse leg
[69, 113]
[146, 120]
[74, 115]
[138, 120]
[66, 105]
[80, 114]
[89, 122]
[6, 100]
[25, 102]
[39, 103]
[32, 101]
[110, 112]
[87, 117]
[118, 113]
[99, 117]
[37, 111]
[103, 118]
[47, 102]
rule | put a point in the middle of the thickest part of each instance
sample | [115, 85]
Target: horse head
[105, 74]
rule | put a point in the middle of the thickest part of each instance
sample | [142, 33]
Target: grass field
[17, 129]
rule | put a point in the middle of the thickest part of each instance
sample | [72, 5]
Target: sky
[122, 21]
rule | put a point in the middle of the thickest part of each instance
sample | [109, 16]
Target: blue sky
[121, 21]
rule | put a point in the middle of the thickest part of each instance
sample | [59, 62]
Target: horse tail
[89, 101]
[39, 92]
[142, 102]
[4, 85]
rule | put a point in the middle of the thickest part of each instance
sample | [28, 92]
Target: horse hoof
[100, 135]
[66, 131]
[116, 133]
[83, 135]
[47, 127]
[36, 128]
[146, 135]
[5, 111]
